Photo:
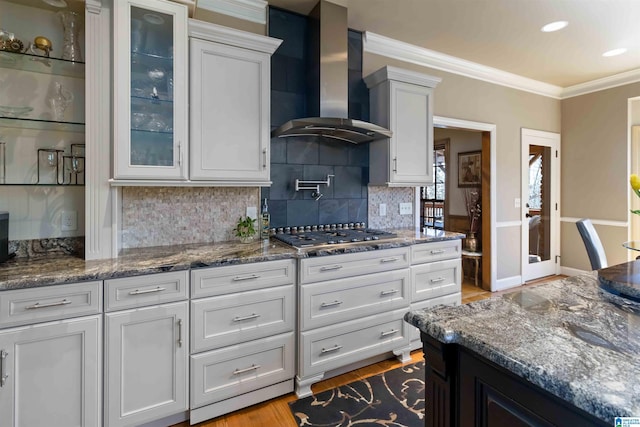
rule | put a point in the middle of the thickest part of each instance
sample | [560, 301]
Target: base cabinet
[50, 374]
[146, 376]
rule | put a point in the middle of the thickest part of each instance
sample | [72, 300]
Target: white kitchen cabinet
[402, 101]
[146, 374]
[230, 92]
[150, 90]
[50, 374]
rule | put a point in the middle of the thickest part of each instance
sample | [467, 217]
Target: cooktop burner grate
[303, 239]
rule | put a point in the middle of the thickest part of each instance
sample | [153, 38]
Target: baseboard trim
[507, 283]
[569, 271]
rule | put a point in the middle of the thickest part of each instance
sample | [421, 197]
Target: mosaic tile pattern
[160, 216]
[47, 247]
[392, 197]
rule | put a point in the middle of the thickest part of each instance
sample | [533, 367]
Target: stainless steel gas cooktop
[310, 236]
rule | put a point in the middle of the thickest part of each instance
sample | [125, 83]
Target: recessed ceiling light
[554, 26]
[615, 52]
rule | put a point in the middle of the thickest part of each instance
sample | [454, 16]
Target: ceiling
[505, 34]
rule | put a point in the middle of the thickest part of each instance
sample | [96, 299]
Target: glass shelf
[41, 64]
[40, 185]
[39, 124]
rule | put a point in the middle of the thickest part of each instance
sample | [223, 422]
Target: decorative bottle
[266, 219]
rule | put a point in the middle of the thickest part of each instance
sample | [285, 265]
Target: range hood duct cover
[329, 94]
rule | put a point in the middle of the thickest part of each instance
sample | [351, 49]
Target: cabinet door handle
[3, 375]
[179, 332]
[436, 251]
[330, 350]
[147, 291]
[51, 304]
[394, 259]
[264, 158]
[249, 317]
[249, 277]
[249, 369]
[331, 267]
[387, 333]
[437, 279]
[395, 164]
[330, 304]
[389, 292]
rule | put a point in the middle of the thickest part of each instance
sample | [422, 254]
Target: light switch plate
[405, 208]
[383, 209]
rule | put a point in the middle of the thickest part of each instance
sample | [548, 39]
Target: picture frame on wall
[469, 169]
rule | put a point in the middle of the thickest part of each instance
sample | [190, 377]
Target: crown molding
[385, 46]
[249, 10]
[93, 6]
[226, 35]
[394, 73]
[616, 80]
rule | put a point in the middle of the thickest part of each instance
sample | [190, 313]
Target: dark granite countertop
[21, 273]
[569, 337]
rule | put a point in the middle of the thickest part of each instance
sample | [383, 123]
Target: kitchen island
[561, 353]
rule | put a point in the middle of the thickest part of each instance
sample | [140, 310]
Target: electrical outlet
[252, 212]
[405, 208]
[383, 209]
[68, 221]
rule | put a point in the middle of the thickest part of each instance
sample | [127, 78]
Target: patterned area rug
[394, 398]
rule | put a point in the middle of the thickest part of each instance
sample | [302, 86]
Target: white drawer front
[435, 251]
[244, 316]
[150, 289]
[334, 346]
[341, 300]
[435, 279]
[244, 277]
[453, 299]
[231, 371]
[33, 305]
[348, 265]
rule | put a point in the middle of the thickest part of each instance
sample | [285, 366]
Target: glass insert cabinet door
[150, 90]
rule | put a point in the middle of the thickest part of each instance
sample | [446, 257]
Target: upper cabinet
[230, 105]
[150, 90]
[402, 101]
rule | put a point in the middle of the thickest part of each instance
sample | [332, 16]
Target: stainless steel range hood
[329, 93]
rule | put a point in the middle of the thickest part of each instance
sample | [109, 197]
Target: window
[433, 196]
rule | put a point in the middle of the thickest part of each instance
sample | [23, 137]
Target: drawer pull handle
[249, 369]
[52, 304]
[147, 291]
[332, 349]
[394, 259]
[249, 277]
[437, 279]
[3, 376]
[331, 267]
[179, 332]
[436, 251]
[249, 317]
[330, 304]
[387, 333]
[389, 292]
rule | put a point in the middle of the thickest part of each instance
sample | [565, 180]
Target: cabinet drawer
[151, 289]
[243, 277]
[336, 301]
[21, 307]
[231, 371]
[334, 346]
[244, 316]
[435, 251]
[452, 300]
[435, 279]
[348, 265]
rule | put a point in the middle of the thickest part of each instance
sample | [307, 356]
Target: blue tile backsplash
[313, 158]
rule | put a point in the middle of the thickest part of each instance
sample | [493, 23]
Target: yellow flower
[634, 180]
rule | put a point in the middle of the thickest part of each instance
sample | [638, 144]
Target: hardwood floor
[275, 412]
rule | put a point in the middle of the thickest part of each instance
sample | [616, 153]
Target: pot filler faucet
[314, 186]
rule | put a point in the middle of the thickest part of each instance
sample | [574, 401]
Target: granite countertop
[569, 337]
[21, 273]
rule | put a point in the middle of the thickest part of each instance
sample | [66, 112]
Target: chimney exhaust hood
[329, 72]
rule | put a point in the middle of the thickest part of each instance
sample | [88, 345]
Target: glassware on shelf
[41, 43]
[52, 157]
[74, 166]
[59, 101]
[14, 112]
[71, 27]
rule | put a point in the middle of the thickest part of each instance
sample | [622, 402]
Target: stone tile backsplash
[160, 216]
[392, 197]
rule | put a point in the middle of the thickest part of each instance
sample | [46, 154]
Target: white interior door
[540, 203]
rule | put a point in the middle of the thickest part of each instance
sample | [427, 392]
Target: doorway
[540, 203]
[433, 212]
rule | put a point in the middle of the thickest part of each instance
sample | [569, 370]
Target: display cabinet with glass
[150, 90]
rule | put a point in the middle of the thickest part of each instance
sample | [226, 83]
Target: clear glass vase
[71, 44]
